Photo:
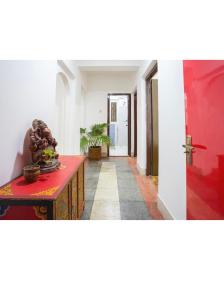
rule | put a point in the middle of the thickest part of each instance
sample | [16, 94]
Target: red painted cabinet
[58, 195]
[204, 99]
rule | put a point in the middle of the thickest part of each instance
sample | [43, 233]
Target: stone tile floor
[115, 191]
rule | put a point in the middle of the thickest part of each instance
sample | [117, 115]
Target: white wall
[172, 161]
[62, 94]
[132, 124]
[27, 91]
[99, 84]
[73, 116]
[74, 106]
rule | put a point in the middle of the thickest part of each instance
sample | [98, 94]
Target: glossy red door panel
[204, 98]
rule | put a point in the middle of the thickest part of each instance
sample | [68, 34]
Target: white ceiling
[108, 65]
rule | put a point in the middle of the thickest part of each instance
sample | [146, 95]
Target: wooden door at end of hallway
[152, 127]
[204, 94]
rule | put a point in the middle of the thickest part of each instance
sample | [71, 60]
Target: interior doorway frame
[129, 119]
[135, 124]
[149, 120]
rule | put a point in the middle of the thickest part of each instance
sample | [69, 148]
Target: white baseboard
[164, 210]
[141, 171]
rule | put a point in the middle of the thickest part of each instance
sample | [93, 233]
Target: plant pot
[31, 173]
[95, 153]
[48, 162]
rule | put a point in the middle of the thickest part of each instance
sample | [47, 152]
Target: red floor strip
[148, 189]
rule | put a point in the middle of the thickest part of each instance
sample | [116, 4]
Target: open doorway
[152, 122]
[119, 129]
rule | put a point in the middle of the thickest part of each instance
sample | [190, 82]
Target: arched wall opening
[62, 94]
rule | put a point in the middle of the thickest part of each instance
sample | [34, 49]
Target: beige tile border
[106, 205]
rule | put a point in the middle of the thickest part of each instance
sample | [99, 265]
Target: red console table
[55, 196]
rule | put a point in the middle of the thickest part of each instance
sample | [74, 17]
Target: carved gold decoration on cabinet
[80, 190]
[6, 190]
[48, 192]
[41, 212]
[62, 205]
[74, 197]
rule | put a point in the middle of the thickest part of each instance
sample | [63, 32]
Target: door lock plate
[189, 149]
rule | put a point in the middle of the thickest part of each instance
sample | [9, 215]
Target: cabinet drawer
[74, 195]
[61, 205]
[81, 199]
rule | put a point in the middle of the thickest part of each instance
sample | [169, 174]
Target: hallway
[146, 110]
[112, 150]
[112, 191]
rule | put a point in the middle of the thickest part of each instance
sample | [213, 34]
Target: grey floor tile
[93, 169]
[129, 183]
[89, 194]
[124, 168]
[133, 210]
[92, 174]
[87, 210]
[132, 204]
[91, 183]
[93, 165]
[130, 195]
[124, 174]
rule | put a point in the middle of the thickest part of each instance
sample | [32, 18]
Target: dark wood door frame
[129, 118]
[135, 124]
[149, 120]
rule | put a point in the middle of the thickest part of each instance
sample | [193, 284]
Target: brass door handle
[188, 148]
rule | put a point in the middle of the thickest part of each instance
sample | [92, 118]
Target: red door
[204, 98]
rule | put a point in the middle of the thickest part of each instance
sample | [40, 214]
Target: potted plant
[32, 171]
[93, 140]
[48, 155]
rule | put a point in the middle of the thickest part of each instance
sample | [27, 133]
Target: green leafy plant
[96, 137]
[48, 155]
